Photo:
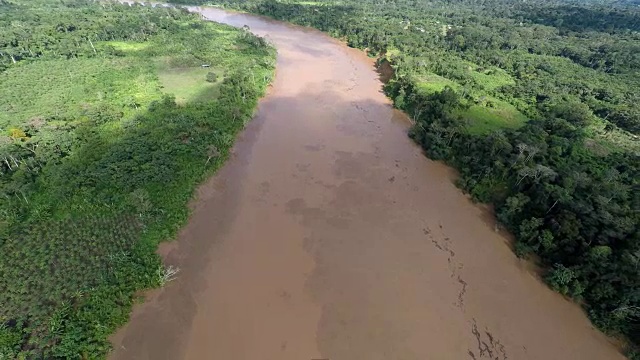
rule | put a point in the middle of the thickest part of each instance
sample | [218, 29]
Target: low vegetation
[108, 121]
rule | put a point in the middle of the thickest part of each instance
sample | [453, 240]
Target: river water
[328, 235]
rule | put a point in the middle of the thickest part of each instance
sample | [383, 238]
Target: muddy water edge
[328, 235]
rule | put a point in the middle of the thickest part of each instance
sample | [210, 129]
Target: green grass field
[489, 113]
[492, 78]
[128, 47]
[190, 84]
[484, 119]
[430, 83]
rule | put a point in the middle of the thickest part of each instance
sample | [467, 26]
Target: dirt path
[329, 235]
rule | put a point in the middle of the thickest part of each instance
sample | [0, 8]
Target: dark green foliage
[577, 210]
[97, 164]
[599, 17]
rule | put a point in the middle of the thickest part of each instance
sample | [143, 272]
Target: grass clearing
[430, 83]
[492, 78]
[484, 119]
[190, 84]
[490, 113]
[128, 46]
[614, 140]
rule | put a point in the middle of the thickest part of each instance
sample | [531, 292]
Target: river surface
[328, 235]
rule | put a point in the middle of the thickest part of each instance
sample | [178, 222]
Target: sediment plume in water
[329, 235]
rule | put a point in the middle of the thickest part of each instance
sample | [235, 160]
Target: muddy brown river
[328, 235]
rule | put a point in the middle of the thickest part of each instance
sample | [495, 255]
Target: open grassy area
[486, 113]
[484, 119]
[127, 46]
[491, 78]
[430, 83]
[178, 75]
[190, 84]
[613, 140]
